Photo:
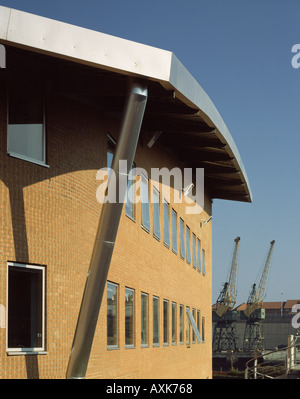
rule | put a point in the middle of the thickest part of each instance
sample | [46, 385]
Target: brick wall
[49, 216]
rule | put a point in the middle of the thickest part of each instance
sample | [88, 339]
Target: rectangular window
[155, 321]
[174, 231]
[145, 203]
[198, 255]
[144, 318]
[174, 323]
[198, 320]
[166, 224]
[26, 128]
[130, 195]
[181, 332]
[112, 314]
[193, 334]
[166, 322]
[188, 328]
[194, 252]
[129, 317]
[203, 262]
[203, 329]
[26, 308]
[156, 215]
[188, 245]
[182, 243]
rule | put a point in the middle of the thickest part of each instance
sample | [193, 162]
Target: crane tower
[224, 316]
[254, 312]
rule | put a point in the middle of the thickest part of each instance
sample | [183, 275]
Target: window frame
[130, 210]
[113, 346]
[199, 255]
[156, 213]
[145, 344]
[203, 263]
[194, 249]
[198, 321]
[174, 232]
[44, 139]
[193, 332]
[145, 206]
[188, 244]
[41, 349]
[181, 324]
[167, 241]
[182, 239]
[188, 327]
[156, 300]
[166, 322]
[174, 323]
[130, 345]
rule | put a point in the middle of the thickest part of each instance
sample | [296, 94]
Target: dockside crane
[224, 317]
[254, 312]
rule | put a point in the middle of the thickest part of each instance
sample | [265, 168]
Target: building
[63, 94]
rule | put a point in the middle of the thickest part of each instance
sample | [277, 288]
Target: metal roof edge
[190, 89]
[97, 49]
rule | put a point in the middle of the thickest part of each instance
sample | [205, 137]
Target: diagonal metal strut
[106, 235]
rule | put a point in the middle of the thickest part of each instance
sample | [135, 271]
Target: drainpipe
[106, 235]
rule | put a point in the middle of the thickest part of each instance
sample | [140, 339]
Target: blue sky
[240, 53]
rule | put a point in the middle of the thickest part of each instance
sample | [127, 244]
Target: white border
[24, 351]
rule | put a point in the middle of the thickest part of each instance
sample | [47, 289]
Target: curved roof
[178, 107]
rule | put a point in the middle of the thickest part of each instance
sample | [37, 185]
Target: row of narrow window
[171, 311]
[190, 245]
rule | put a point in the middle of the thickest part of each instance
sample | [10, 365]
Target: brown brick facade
[49, 217]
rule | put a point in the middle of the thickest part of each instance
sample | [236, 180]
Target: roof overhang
[191, 126]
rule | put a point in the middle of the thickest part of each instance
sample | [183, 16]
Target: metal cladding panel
[4, 21]
[84, 45]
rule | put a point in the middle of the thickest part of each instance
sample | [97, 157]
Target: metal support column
[106, 235]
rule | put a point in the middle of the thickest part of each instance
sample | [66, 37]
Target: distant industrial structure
[240, 332]
[276, 326]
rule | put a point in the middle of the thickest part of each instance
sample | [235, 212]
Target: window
[193, 334]
[26, 130]
[130, 195]
[198, 255]
[188, 328]
[198, 320]
[144, 318]
[26, 308]
[156, 217]
[174, 323]
[203, 329]
[182, 244]
[188, 245]
[155, 321]
[166, 224]
[166, 322]
[174, 231]
[194, 252]
[145, 203]
[203, 262]
[112, 314]
[129, 317]
[181, 316]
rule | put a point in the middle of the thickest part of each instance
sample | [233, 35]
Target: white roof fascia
[104, 51]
